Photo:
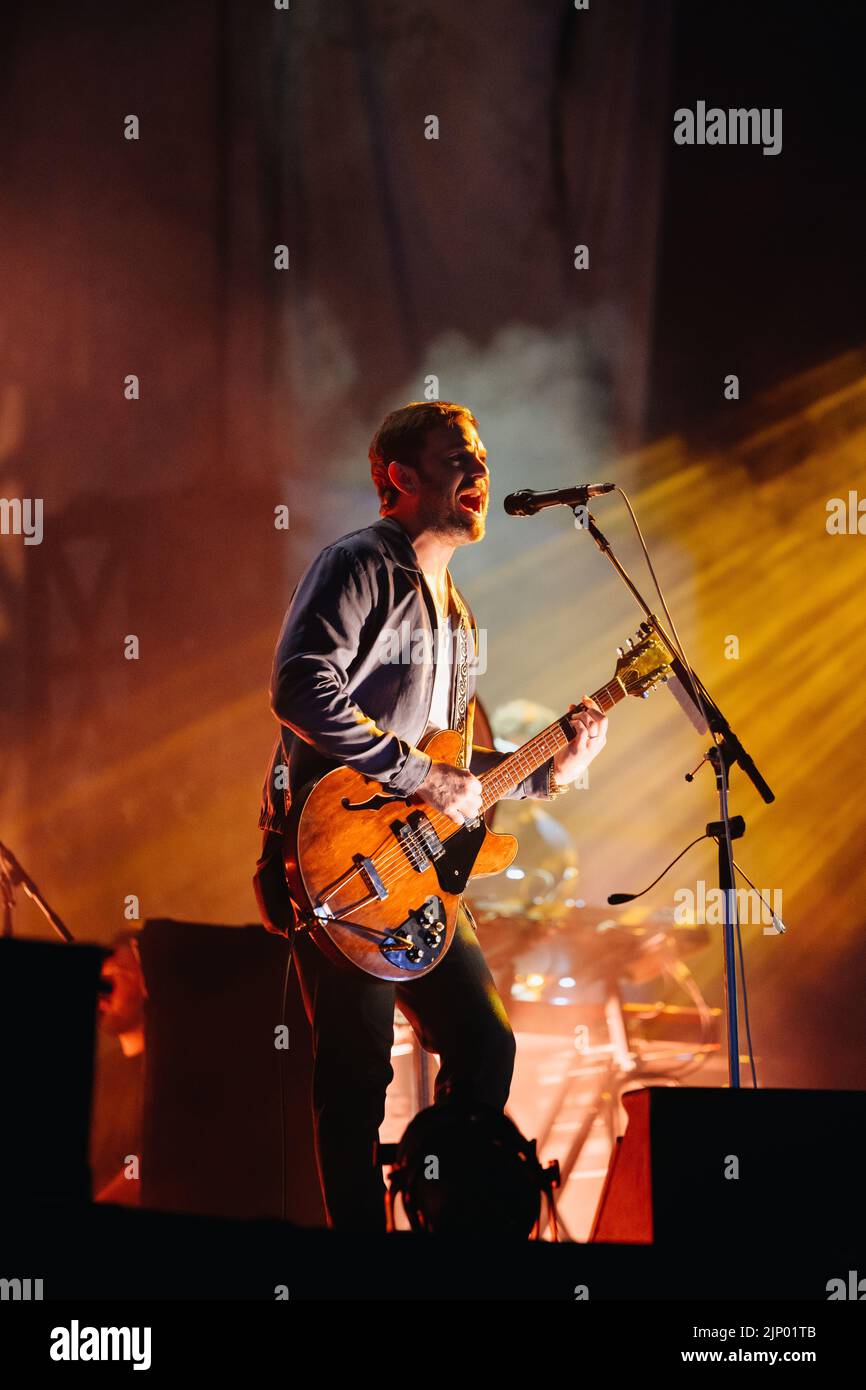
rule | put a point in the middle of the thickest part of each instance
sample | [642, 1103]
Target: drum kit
[582, 986]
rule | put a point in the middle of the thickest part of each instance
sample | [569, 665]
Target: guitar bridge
[370, 874]
[377, 891]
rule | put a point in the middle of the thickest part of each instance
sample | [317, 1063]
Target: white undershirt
[440, 708]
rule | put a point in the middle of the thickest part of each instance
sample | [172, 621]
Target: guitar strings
[614, 691]
[611, 692]
[396, 855]
[439, 822]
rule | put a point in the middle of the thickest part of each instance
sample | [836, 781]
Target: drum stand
[620, 1068]
[623, 1066]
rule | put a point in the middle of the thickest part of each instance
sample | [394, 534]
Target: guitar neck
[503, 778]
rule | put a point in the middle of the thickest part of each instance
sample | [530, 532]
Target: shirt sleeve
[318, 643]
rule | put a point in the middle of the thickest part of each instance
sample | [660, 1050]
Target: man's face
[454, 482]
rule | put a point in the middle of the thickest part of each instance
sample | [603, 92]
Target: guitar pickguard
[418, 942]
[460, 851]
[451, 859]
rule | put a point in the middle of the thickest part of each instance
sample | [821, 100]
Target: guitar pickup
[419, 840]
[426, 834]
[411, 845]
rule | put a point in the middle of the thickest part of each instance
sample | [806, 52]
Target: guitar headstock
[643, 663]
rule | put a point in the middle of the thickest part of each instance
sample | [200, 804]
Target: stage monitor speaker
[721, 1165]
[211, 1139]
[48, 994]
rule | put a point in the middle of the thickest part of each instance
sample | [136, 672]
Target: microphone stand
[12, 876]
[725, 752]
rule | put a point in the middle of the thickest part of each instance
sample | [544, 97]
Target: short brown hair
[401, 436]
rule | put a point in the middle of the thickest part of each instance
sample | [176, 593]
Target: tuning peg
[629, 643]
[619, 651]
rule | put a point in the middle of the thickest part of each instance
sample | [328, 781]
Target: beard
[445, 517]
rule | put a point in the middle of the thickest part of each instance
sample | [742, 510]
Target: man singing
[340, 701]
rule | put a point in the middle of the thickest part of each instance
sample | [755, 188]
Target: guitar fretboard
[503, 778]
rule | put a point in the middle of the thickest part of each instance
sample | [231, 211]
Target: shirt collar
[399, 541]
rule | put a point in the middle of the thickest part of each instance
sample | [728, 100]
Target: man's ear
[402, 478]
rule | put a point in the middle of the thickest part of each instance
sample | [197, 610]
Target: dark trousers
[455, 1012]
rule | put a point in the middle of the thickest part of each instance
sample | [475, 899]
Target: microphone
[527, 502]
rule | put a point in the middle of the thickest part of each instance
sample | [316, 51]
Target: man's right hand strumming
[453, 790]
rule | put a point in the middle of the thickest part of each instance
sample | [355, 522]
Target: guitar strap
[461, 710]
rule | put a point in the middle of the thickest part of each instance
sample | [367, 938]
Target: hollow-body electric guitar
[378, 877]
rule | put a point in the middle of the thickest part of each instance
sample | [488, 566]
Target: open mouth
[471, 499]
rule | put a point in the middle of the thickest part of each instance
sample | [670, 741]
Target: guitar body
[381, 877]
